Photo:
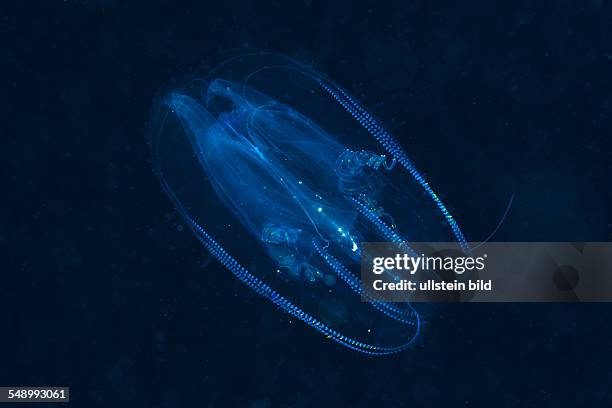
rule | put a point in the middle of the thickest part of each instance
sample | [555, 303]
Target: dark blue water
[105, 291]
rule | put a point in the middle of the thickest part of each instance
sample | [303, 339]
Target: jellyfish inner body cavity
[263, 160]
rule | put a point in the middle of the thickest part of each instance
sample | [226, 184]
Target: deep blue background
[102, 289]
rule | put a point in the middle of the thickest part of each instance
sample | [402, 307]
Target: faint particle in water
[261, 403]
[329, 280]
